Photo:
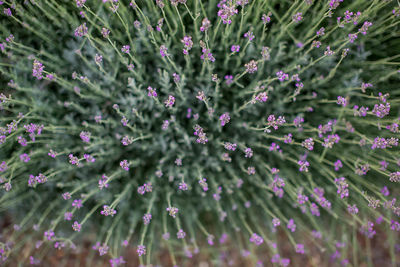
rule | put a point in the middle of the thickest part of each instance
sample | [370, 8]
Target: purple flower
[321, 31]
[85, 136]
[34, 180]
[265, 53]
[52, 153]
[352, 37]
[285, 262]
[66, 195]
[205, 25]
[73, 160]
[89, 158]
[81, 30]
[262, 97]
[395, 226]
[251, 67]
[50, 76]
[229, 79]
[172, 211]
[275, 123]
[364, 86]
[297, 17]
[368, 229]
[170, 101]
[276, 222]
[230, 146]
[223, 238]
[235, 48]
[59, 245]
[342, 185]
[249, 35]
[103, 249]
[330, 140]
[365, 27]
[248, 152]
[33, 261]
[117, 261]
[131, 67]
[314, 209]
[126, 140]
[3, 166]
[7, 12]
[226, 11]
[202, 138]
[159, 23]
[166, 236]
[37, 70]
[385, 191]
[108, 211]
[291, 225]
[303, 165]
[80, 3]
[352, 209]
[49, 234]
[126, 49]
[163, 51]
[33, 130]
[379, 143]
[266, 18]
[203, 184]
[274, 147]
[276, 258]
[177, 78]
[188, 44]
[181, 234]
[384, 164]
[308, 143]
[105, 32]
[210, 240]
[141, 250]
[165, 125]
[297, 121]
[77, 203]
[277, 186]
[299, 248]
[316, 44]
[338, 164]
[201, 96]
[147, 218]
[7, 186]
[137, 24]
[282, 76]
[207, 55]
[251, 170]
[328, 51]
[256, 239]
[333, 4]
[68, 216]
[224, 118]
[76, 226]
[183, 186]
[341, 101]
[381, 110]
[394, 177]
[301, 199]
[124, 165]
[152, 92]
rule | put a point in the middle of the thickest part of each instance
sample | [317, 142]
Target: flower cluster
[278, 117]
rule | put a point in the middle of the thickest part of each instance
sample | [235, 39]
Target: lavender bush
[200, 125]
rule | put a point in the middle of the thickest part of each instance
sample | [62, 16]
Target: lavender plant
[197, 126]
